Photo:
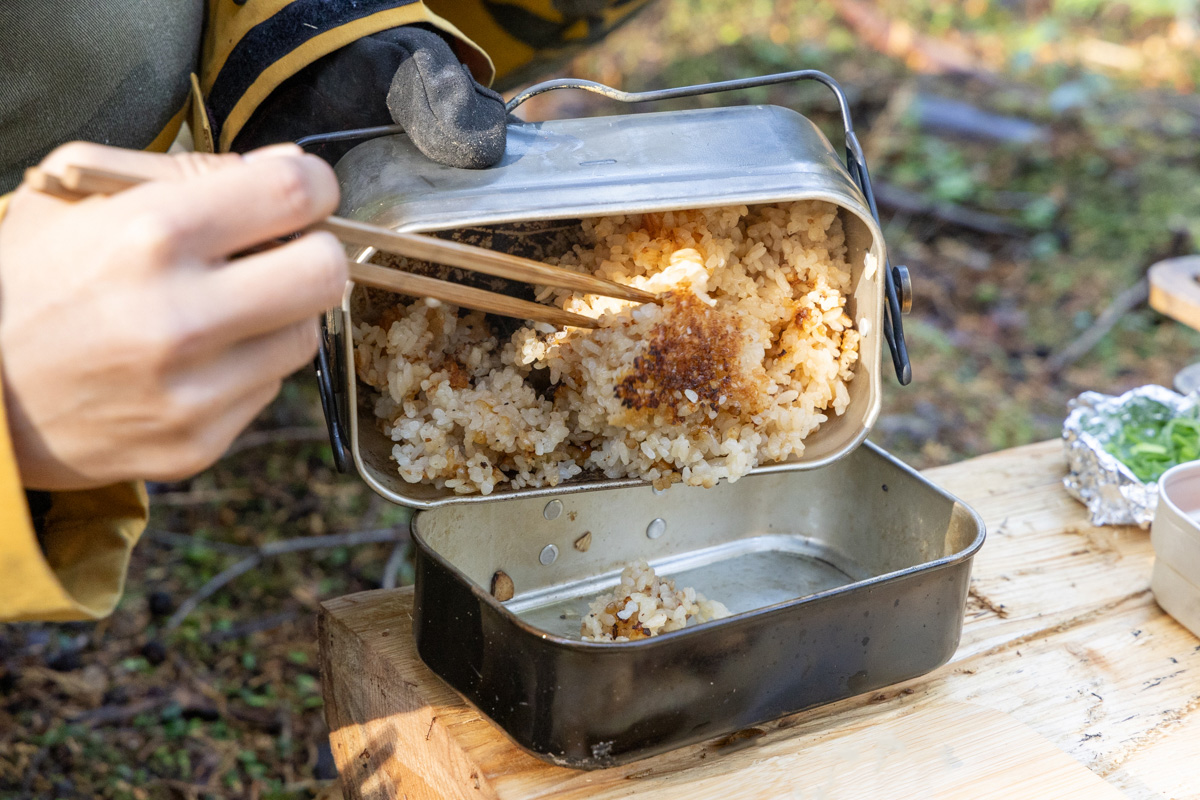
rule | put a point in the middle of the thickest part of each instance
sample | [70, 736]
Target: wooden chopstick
[477, 259]
[80, 182]
[87, 180]
[467, 296]
[51, 184]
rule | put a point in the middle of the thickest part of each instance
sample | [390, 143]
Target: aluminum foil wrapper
[1112, 493]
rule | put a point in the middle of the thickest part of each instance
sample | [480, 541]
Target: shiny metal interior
[764, 541]
[745, 574]
[568, 169]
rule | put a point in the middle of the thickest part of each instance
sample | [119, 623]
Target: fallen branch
[199, 497]
[949, 117]
[896, 38]
[295, 545]
[252, 439]
[392, 568]
[189, 702]
[1125, 302]
[1180, 244]
[252, 626]
[113, 715]
[915, 204]
[333, 540]
[209, 589]
[172, 539]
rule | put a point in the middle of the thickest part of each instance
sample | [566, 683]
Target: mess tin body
[568, 169]
[840, 580]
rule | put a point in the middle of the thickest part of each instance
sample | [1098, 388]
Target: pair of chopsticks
[77, 182]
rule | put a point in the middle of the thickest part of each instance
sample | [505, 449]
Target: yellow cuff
[77, 571]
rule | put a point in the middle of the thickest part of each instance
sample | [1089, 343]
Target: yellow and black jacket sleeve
[251, 49]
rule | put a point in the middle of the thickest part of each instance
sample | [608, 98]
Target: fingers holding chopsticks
[80, 181]
[297, 280]
[136, 341]
[233, 202]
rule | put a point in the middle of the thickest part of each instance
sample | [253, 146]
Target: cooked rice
[644, 605]
[749, 354]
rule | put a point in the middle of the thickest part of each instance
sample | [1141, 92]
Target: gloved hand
[407, 75]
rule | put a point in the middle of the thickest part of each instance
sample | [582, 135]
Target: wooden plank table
[1069, 682]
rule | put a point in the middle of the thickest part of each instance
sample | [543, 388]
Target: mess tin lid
[631, 164]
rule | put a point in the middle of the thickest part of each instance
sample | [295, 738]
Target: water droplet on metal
[552, 509]
[656, 528]
[549, 552]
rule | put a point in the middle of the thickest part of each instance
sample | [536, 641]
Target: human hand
[407, 75]
[133, 344]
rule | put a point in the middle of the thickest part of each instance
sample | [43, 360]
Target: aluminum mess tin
[840, 580]
[554, 173]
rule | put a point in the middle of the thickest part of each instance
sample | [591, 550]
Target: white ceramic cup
[1175, 535]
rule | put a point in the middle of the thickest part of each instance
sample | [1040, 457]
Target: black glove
[407, 75]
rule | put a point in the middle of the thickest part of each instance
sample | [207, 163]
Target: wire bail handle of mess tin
[329, 379]
[897, 280]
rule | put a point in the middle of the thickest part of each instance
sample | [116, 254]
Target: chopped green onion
[1150, 438]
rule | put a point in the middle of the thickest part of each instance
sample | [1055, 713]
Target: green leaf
[1149, 438]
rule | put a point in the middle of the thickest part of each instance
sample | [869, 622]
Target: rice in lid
[748, 355]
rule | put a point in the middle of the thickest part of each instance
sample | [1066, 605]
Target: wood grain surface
[1175, 289]
[1069, 682]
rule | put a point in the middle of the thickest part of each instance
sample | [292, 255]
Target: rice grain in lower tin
[644, 604]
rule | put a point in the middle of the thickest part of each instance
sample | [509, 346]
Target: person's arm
[408, 75]
[250, 50]
[66, 553]
[366, 64]
[135, 344]
[70, 563]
